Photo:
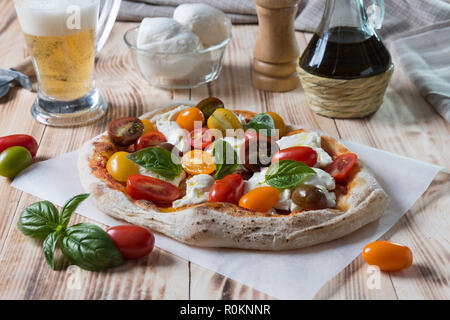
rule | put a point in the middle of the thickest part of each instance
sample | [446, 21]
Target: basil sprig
[262, 121]
[225, 158]
[158, 160]
[288, 174]
[84, 244]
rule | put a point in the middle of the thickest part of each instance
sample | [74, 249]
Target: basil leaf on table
[89, 247]
[49, 246]
[70, 207]
[288, 174]
[39, 219]
[158, 160]
[262, 121]
[84, 244]
[225, 158]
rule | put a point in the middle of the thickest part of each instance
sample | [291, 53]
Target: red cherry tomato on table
[388, 256]
[132, 241]
[229, 189]
[303, 154]
[341, 167]
[19, 140]
[160, 192]
[201, 138]
[150, 139]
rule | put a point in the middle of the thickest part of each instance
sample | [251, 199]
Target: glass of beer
[63, 37]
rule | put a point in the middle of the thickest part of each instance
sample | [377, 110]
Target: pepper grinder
[276, 51]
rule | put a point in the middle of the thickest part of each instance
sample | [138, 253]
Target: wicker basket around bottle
[338, 98]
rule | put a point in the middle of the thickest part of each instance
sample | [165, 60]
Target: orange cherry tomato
[187, 118]
[198, 162]
[279, 123]
[261, 199]
[388, 256]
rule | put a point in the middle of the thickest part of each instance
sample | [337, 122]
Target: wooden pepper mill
[276, 51]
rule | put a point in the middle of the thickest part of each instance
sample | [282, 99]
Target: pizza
[209, 176]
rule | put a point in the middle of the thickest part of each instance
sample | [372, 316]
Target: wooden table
[406, 125]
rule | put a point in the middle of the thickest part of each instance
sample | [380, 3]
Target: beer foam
[57, 17]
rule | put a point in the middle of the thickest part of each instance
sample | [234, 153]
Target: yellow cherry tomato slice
[261, 199]
[198, 162]
[388, 256]
[187, 118]
[223, 119]
[120, 168]
[279, 123]
[148, 126]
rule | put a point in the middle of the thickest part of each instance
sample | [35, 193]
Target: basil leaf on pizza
[225, 158]
[158, 160]
[288, 174]
[263, 122]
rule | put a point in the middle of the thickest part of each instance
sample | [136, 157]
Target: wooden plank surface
[406, 125]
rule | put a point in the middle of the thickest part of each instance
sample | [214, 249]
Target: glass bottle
[346, 45]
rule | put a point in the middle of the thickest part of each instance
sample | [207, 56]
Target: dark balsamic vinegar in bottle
[345, 46]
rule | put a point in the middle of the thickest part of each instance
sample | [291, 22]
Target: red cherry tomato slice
[150, 139]
[201, 138]
[19, 140]
[161, 193]
[132, 241]
[340, 168]
[229, 189]
[257, 150]
[303, 154]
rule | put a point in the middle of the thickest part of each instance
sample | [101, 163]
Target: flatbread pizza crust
[226, 225]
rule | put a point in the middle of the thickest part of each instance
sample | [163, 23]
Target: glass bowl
[177, 70]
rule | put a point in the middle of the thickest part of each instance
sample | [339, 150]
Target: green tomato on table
[13, 160]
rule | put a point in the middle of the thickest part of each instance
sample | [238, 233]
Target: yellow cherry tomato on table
[120, 168]
[198, 162]
[148, 126]
[388, 256]
[223, 119]
[279, 123]
[260, 199]
[187, 118]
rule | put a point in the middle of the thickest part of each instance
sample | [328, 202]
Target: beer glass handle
[108, 15]
[375, 13]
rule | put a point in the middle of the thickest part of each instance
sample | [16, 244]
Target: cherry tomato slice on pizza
[304, 154]
[150, 139]
[120, 167]
[261, 199]
[133, 242]
[198, 162]
[160, 192]
[125, 131]
[187, 119]
[341, 167]
[229, 189]
[201, 138]
[22, 140]
[148, 126]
